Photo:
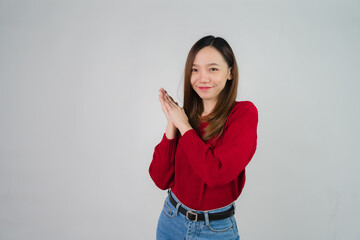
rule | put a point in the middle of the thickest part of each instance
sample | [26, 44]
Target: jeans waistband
[222, 209]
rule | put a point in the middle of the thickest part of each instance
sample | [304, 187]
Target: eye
[215, 69]
[193, 70]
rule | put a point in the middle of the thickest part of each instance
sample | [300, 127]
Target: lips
[204, 88]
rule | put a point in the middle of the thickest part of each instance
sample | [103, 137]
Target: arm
[220, 165]
[162, 166]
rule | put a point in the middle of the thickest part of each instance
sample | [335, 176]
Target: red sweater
[208, 175]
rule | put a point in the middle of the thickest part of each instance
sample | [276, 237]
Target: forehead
[208, 55]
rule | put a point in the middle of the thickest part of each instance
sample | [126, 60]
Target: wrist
[185, 128]
[170, 126]
[170, 131]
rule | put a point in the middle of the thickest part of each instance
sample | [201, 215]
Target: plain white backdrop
[80, 115]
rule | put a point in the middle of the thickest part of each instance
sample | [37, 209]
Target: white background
[80, 115]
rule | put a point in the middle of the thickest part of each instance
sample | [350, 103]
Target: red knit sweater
[208, 175]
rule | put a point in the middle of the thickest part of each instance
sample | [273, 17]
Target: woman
[202, 156]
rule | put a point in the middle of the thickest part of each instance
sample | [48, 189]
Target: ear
[229, 76]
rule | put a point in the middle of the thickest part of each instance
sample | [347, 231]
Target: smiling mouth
[204, 88]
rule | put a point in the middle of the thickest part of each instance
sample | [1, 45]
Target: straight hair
[193, 105]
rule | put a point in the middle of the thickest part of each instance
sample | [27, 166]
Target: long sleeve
[162, 166]
[220, 165]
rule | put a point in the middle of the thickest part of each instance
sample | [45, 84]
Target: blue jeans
[174, 225]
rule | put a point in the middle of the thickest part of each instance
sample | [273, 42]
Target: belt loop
[206, 214]
[177, 208]
[177, 205]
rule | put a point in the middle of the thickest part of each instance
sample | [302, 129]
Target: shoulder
[243, 112]
[242, 107]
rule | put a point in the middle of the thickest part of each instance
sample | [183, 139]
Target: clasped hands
[173, 112]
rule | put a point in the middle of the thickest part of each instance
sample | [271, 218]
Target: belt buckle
[196, 215]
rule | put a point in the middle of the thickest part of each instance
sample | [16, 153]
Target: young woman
[202, 156]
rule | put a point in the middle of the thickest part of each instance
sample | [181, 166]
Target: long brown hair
[193, 106]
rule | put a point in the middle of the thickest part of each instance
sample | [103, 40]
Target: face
[209, 73]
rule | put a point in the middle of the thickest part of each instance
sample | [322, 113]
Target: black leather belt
[201, 216]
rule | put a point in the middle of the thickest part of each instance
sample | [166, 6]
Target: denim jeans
[173, 225]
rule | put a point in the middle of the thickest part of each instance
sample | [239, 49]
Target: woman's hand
[173, 112]
[162, 94]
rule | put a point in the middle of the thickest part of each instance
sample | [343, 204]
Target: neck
[208, 107]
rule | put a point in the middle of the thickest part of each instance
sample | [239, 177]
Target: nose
[203, 77]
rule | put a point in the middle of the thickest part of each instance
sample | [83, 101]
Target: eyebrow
[210, 64]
